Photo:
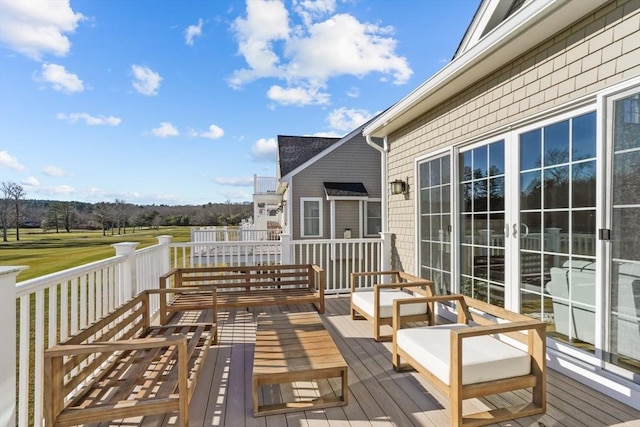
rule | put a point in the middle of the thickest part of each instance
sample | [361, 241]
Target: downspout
[384, 181]
[386, 254]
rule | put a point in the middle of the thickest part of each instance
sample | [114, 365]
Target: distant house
[522, 162]
[330, 186]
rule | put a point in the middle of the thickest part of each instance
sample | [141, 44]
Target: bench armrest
[396, 318]
[499, 328]
[354, 276]
[111, 346]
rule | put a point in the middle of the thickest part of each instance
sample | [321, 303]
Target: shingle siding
[354, 161]
[599, 51]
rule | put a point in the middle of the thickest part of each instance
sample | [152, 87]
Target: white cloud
[309, 55]
[347, 119]
[331, 134]
[8, 161]
[265, 150]
[165, 130]
[146, 81]
[234, 182]
[36, 28]
[54, 171]
[236, 194]
[30, 182]
[353, 92]
[60, 79]
[214, 132]
[297, 95]
[266, 22]
[62, 189]
[89, 119]
[192, 32]
[313, 9]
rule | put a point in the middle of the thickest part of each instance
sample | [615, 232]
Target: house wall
[347, 215]
[597, 52]
[353, 161]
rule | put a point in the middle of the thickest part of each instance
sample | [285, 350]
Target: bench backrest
[129, 320]
[423, 286]
[472, 311]
[248, 277]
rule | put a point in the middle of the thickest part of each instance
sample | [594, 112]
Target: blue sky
[180, 102]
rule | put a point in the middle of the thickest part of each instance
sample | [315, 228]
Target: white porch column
[285, 249]
[385, 253]
[165, 241]
[8, 339]
[128, 285]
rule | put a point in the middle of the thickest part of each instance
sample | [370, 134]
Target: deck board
[378, 395]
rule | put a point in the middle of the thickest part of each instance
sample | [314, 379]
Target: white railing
[53, 307]
[232, 234]
[554, 241]
[226, 253]
[264, 184]
[339, 258]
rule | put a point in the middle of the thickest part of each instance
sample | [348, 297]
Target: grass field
[48, 252]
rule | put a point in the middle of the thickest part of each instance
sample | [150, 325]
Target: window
[373, 219]
[311, 217]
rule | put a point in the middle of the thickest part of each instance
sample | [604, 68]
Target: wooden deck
[378, 395]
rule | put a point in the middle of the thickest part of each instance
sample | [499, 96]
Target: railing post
[285, 249]
[385, 251]
[165, 241]
[8, 339]
[128, 285]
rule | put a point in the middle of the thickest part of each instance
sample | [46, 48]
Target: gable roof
[531, 24]
[489, 15]
[297, 152]
[294, 151]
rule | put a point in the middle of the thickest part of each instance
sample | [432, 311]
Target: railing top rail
[336, 241]
[31, 285]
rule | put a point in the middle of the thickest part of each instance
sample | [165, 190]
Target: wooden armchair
[471, 358]
[374, 302]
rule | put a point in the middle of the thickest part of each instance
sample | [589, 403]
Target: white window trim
[303, 200]
[366, 217]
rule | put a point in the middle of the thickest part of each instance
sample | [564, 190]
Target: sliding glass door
[531, 232]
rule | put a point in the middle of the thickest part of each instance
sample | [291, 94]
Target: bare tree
[5, 211]
[14, 193]
[67, 215]
[121, 214]
[102, 213]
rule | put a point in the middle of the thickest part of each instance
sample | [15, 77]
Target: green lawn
[48, 252]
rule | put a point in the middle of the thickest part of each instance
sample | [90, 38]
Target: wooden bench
[296, 347]
[245, 286]
[470, 358]
[122, 366]
[375, 303]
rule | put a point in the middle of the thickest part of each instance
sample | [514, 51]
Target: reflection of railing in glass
[572, 288]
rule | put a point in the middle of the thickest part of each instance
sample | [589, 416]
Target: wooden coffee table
[296, 347]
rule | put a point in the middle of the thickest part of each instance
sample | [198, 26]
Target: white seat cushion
[484, 358]
[363, 299]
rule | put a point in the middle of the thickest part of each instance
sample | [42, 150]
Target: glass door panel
[624, 322]
[435, 222]
[482, 222]
[557, 229]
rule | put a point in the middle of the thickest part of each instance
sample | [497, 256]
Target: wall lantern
[399, 187]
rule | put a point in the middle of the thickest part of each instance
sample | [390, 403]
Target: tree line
[18, 212]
